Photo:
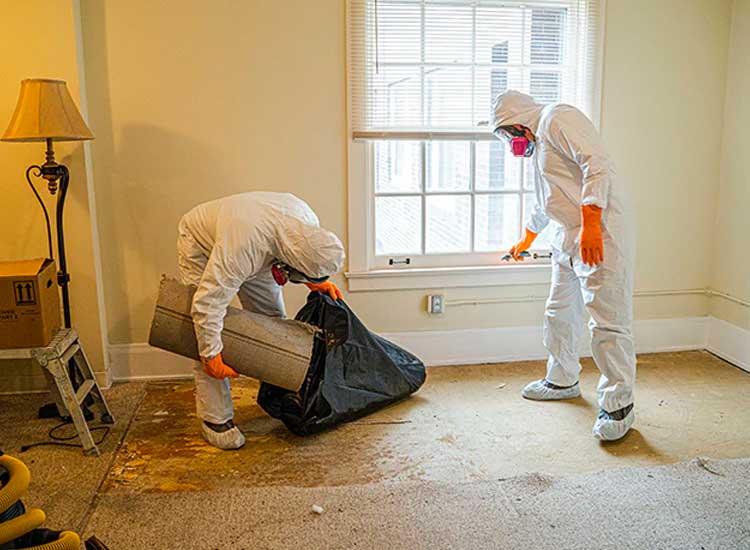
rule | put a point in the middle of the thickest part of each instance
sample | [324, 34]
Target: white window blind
[436, 188]
[430, 69]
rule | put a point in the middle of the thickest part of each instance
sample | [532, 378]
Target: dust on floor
[466, 424]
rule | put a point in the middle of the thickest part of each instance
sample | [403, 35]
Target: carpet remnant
[698, 504]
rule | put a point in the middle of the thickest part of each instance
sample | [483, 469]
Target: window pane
[545, 86]
[497, 169]
[448, 96]
[397, 167]
[497, 222]
[448, 224]
[396, 98]
[398, 225]
[544, 239]
[448, 34]
[399, 29]
[448, 165]
[491, 82]
[499, 26]
[529, 175]
[547, 27]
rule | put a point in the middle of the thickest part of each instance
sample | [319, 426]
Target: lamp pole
[54, 173]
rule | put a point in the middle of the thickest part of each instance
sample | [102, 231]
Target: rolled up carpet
[273, 350]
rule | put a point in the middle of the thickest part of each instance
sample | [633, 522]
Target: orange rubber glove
[523, 245]
[216, 368]
[592, 245]
[326, 288]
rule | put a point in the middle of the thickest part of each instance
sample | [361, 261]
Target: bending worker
[246, 245]
[592, 253]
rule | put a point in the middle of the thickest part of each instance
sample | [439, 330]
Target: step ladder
[65, 349]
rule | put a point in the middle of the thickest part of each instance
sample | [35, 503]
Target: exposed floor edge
[83, 523]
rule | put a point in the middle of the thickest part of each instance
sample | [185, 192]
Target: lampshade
[44, 111]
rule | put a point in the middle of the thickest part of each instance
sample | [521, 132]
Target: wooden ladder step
[84, 390]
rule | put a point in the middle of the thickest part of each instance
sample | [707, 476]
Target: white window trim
[449, 277]
[361, 273]
[363, 276]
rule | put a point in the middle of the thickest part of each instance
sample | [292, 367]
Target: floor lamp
[46, 112]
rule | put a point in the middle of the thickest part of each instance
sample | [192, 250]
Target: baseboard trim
[437, 348]
[729, 342]
[131, 362]
[503, 344]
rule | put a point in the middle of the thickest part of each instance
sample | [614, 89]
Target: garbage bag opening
[353, 372]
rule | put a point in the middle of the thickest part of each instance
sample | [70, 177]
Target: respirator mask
[283, 273]
[520, 145]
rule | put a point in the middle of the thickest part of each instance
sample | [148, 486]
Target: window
[430, 187]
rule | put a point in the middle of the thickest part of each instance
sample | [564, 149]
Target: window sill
[448, 277]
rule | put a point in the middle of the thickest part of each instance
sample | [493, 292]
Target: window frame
[472, 258]
[368, 271]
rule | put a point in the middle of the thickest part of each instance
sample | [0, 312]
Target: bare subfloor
[467, 424]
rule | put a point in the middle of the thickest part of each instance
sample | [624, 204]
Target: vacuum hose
[18, 482]
[15, 525]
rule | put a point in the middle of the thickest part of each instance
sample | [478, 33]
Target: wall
[214, 98]
[730, 236]
[39, 40]
[241, 96]
[660, 88]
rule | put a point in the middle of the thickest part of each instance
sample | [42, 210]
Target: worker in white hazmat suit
[592, 253]
[246, 245]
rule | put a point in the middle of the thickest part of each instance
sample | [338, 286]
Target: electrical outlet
[436, 304]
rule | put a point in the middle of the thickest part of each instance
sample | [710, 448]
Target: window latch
[405, 261]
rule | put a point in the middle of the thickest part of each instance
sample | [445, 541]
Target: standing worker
[592, 253]
[246, 245]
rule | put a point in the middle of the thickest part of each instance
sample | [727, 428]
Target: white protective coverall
[226, 248]
[572, 169]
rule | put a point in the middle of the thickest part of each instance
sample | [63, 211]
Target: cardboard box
[29, 303]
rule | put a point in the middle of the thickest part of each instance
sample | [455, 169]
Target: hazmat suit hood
[514, 107]
[308, 248]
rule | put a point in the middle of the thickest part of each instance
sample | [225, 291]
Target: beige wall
[203, 101]
[218, 97]
[39, 40]
[731, 260]
[664, 80]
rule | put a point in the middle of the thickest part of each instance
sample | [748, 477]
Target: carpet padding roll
[273, 350]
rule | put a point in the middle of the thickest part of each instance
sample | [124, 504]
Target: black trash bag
[353, 372]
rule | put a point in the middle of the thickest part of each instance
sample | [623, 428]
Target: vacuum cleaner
[21, 528]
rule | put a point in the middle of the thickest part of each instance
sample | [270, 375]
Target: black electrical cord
[60, 440]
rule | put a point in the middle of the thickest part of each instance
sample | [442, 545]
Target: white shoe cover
[228, 440]
[538, 391]
[608, 429]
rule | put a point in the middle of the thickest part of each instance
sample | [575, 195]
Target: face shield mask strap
[506, 133]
